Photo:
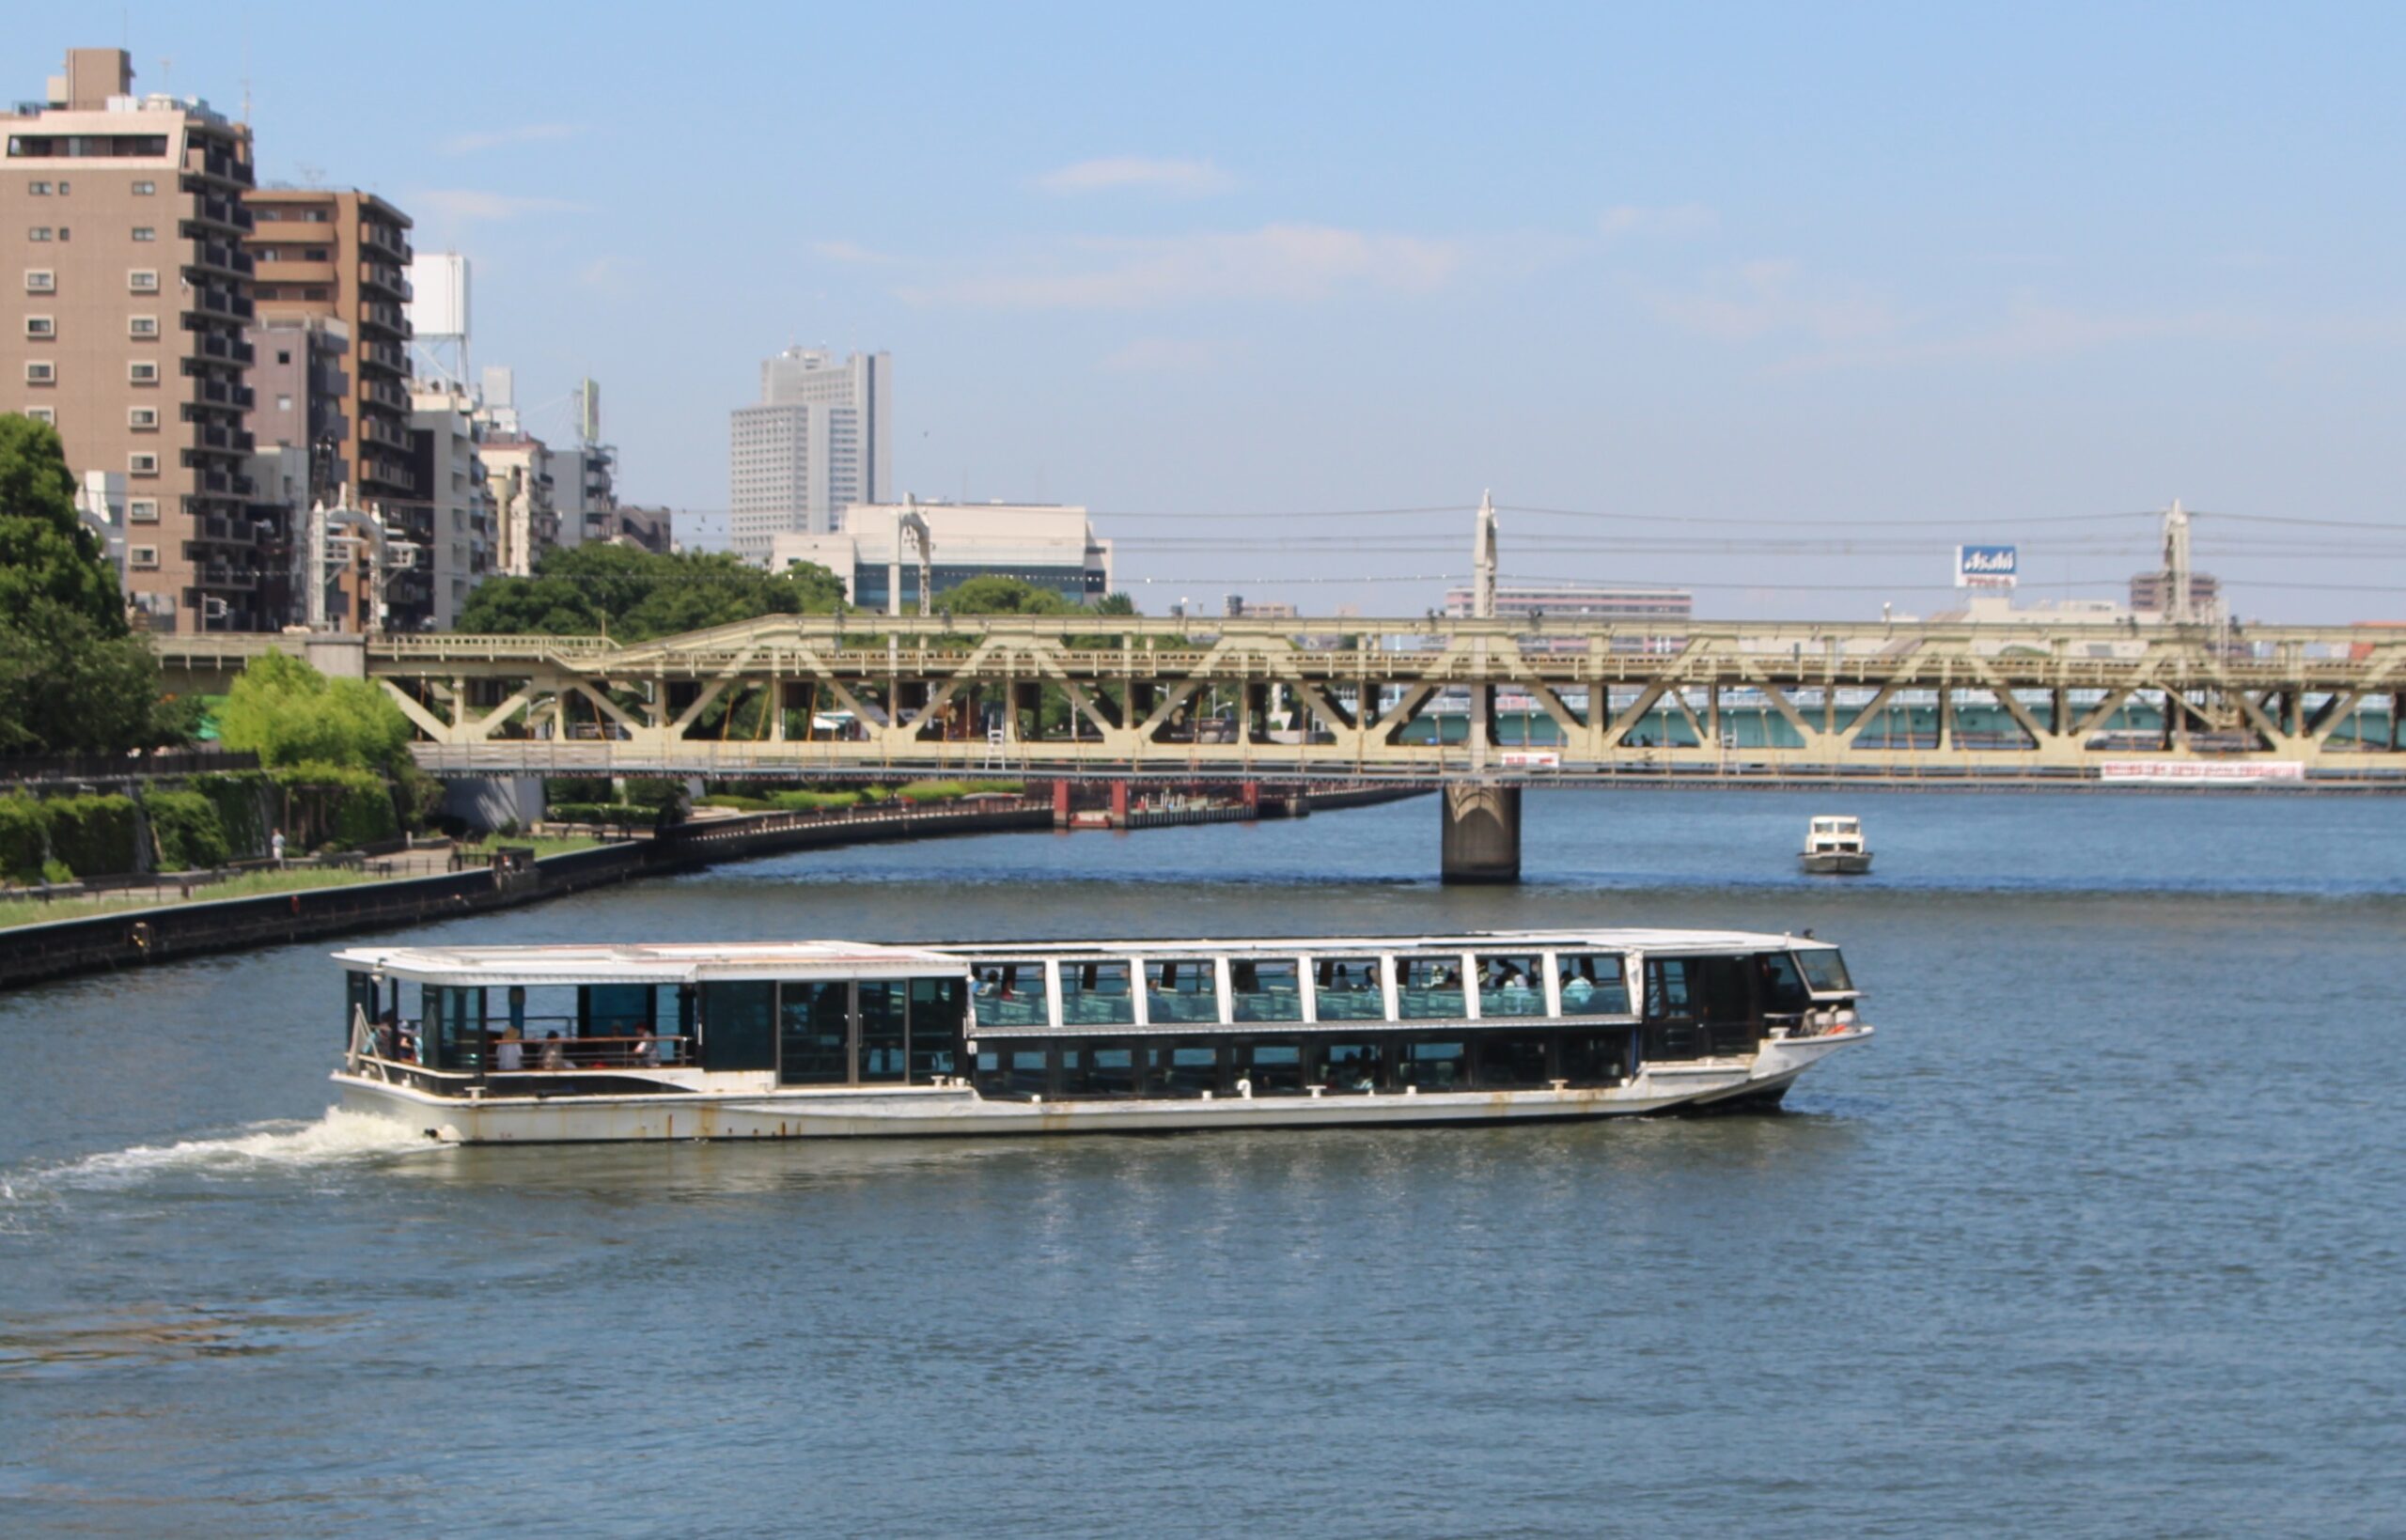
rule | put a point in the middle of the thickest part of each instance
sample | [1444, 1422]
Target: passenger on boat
[510, 1054]
[647, 1047]
[555, 1051]
[518, 1010]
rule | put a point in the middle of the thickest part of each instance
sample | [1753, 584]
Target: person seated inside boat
[555, 1051]
[647, 1054]
[509, 1053]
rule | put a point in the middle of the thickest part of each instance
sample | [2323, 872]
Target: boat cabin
[1834, 833]
[1058, 1020]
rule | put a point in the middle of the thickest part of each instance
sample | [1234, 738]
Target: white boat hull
[843, 1113]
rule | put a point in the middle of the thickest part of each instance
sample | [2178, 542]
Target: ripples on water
[2103, 1235]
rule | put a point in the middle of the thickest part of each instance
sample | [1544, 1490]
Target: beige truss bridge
[1111, 697]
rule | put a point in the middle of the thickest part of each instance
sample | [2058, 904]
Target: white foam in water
[339, 1137]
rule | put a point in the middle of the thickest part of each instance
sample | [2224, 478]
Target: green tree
[72, 677]
[633, 596]
[991, 593]
[288, 713]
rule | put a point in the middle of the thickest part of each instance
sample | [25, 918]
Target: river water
[2103, 1235]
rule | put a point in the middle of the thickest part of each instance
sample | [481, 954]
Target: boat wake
[340, 1137]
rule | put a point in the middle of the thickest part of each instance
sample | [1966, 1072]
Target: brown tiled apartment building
[343, 255]
[123, 303]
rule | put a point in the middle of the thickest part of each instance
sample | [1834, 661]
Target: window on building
[40, 326]
[144, 232]
[40, 232]
[63, 189]
[284, 355]
[143, 556]
[41, 373]
[38, 189]
[40, 281]
[144, 189]
[143, 280]
[315, 254]
[284, 403]
[142, 510]
[142, 464]
[142, 372]
[142, 326]
[142, 417]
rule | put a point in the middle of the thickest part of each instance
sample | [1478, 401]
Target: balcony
[219, 347]
[223, 484]
[381, 431]
[383, 392]
[234, 397]
[384, 356]
[210, 438]
[224, 577]
[383, 238]
[227, 212]
[386, 475]
[220, 256]
[218, 165]
[376, 315]
[384, 278]
[219, 304]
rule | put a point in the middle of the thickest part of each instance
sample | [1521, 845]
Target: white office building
[1049, 545]
[819, 441]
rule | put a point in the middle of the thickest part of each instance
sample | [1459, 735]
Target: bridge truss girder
[1107, 695]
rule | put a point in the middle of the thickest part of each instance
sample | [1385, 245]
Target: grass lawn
[27, 911]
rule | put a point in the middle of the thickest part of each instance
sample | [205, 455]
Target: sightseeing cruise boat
[1833, 846]
[814, 1039]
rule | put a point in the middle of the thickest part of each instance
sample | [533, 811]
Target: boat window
[1181, 989]
[1349, 990]
[1513, 1060]
[1594, 1058]
[358, 1001]
[1097, 1069]
[935, 1027]
[740, 1024]
[1510, 984]
[1097, 994]
[1666, 988]
[1275, 1069]
[1438, 1065]
[1181, 1069]
[1782, 986]
[814, 1033]
[1350, 1067]
[1011, 994]
[884, 1030]
[1430, 987]
[451, 1023]
[1593, 983]
[1265, 990]
[613, 1010]
[1826, 970]
[1027, 1071]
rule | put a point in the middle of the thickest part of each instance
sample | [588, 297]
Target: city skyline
[1604, 265]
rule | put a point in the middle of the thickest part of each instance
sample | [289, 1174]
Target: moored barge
[814, 1039]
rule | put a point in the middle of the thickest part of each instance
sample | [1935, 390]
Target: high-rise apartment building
[341, 253]
[122, 320]
[446, 455]
[820, 441]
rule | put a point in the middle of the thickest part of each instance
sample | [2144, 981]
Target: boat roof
[684, 962]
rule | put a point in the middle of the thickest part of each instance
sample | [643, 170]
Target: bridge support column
[1119, 803]
[1483, 834]
[1060, 804]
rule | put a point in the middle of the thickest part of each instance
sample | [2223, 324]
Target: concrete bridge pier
[1483, 834]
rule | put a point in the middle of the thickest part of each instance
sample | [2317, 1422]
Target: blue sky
[1952, 272]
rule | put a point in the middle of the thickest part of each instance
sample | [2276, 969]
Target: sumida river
[2105, 1234]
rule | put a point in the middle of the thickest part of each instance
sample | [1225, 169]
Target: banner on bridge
[2198, 771]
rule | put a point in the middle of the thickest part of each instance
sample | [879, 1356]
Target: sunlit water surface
[2104, 1234]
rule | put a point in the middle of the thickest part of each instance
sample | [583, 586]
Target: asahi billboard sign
[1986, 566]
